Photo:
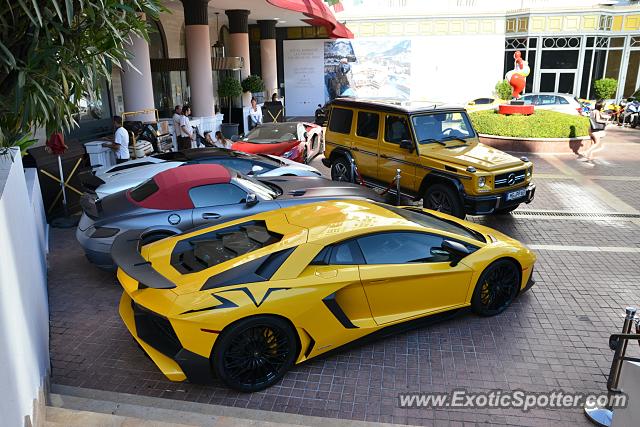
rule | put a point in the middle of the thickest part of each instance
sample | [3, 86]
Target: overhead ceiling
[260, 9]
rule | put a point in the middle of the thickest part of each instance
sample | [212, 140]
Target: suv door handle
[209, 215]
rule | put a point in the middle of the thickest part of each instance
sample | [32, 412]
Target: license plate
[513, 195]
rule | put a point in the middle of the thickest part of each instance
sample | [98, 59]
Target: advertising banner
[303, 68]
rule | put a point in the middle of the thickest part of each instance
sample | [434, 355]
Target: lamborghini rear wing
[125, 252]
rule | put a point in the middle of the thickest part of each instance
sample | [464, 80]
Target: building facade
[569, 44]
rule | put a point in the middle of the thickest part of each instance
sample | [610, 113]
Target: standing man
[120, 144]
[177, 114]
[186, 132]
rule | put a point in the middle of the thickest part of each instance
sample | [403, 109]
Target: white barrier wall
[24, 312]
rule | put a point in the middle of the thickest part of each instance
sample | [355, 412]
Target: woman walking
[596, 132]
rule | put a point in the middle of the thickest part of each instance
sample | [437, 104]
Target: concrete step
[57, 417]
[179, 412]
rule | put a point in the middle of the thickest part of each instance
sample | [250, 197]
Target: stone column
[239, 43]
[137, 87]
[268, 58]
[196, 28]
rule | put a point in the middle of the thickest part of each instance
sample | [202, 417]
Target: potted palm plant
[228, 89]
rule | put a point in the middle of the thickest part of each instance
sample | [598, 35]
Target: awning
[318, 13]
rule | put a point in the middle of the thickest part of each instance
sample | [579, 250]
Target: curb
[535, 145]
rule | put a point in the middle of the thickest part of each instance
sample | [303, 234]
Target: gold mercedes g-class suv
[437, 150]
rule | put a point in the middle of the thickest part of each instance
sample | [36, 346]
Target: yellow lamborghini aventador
[248, 299]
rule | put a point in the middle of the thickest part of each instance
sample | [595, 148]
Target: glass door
[557, 81]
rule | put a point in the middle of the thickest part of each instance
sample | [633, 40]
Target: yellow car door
[397, 150]
[405, 275]
[365, 143]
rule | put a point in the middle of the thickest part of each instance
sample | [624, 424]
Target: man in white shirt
[177, 113]
[186, 132]
[120, 144]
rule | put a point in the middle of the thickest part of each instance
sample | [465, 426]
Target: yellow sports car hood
[477, 155]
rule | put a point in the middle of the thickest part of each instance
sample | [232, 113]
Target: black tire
[254, 353]
[341, 169]
[443, 198]
[504, 211]
[496, 289]
[154, 237]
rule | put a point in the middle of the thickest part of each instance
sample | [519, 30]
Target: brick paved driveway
[553, 337]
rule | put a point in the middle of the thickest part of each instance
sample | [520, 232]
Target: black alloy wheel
[496, 289]
[442, 198]
[255, 353]
[341, 169]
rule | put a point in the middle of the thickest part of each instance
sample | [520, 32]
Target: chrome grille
[510, 179]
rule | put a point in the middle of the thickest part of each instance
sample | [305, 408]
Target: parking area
[553, 337]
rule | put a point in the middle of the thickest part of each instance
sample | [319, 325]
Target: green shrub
[605, 88]
[541, 124]
[229, 88]
[253, 84]
[504, 90]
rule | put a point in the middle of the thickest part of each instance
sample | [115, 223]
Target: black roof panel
[396, 105]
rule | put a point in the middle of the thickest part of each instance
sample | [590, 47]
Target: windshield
[255, 186]
[428, 220]
[439, 127]
[273, 133]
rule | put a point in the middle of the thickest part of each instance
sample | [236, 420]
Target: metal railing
[617, 343]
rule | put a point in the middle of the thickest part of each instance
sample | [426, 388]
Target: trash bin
[99, 155]
[229, 129]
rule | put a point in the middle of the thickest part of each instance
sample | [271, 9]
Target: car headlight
[481, 181]
[529, 171]
[104, 232]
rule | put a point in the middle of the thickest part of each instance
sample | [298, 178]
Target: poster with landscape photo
[371, 68]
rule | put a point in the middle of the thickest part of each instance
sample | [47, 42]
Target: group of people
[186, 136]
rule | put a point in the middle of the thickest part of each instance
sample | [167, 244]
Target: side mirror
[456, 251]
[407, 145]
[256, 169]
[251, 200]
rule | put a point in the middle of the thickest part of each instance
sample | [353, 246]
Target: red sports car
[296, 141]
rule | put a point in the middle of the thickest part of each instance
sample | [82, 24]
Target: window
[144, 190]
[559, 59]
[546, 100]
[340, 120]
[400, 248]
[241, 165]
[273, 133]
[216, 195]
[345, 253]
[396, 129]
[368, 125]
[561, 100]
[431, 128]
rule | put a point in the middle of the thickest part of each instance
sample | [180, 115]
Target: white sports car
[111, 179]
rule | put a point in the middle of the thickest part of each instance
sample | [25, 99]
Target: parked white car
[108, 180]
[560, 102]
